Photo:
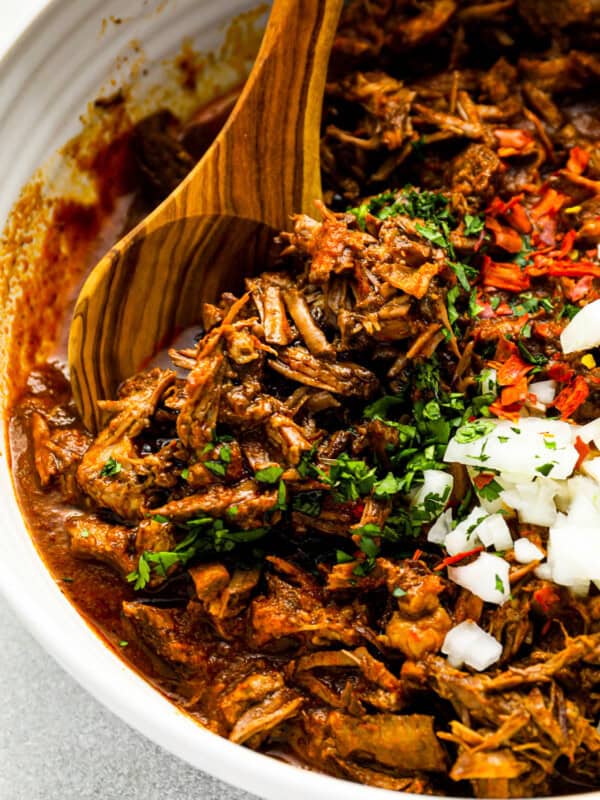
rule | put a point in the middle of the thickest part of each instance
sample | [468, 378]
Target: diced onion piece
[574, 555]
[591, 467]
[494, 532]
[583, 331]
[487, 577]
[526, 551]
[536, 447]
[440, 528]
[437, 485]
[464, 536]
[584, 507]
[543, 572]
[589, 432]
[468, 644]
[545, 391]
[533, 501]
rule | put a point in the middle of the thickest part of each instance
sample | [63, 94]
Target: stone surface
[58, 743]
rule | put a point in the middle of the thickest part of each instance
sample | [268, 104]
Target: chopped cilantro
[473, 224]
[308, 503]
[381, 408]
[388, 486]
[343, 558]
[281, 497]
[491, 491]
[474, 308]
[216, 467]
[225, 454]
[269, 474]
[549, 444]
[451, 298]
[474, 430]
[463, 273]
[537, 359]
[159, 518]
[185, 473]
[499, 584]
[546, 469]
[111, 468]
[569, 310]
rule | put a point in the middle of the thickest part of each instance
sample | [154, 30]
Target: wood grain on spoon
[218, 224]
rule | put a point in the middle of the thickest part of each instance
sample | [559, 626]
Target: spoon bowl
[218, 225]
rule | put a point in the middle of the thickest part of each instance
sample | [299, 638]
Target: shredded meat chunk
[278, 530]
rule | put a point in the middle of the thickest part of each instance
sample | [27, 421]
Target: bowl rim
[65, 634]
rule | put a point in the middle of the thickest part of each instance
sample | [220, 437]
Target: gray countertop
[58, 743]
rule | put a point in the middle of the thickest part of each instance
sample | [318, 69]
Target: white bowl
[47, 78]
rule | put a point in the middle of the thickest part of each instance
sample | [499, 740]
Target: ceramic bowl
[72, 52]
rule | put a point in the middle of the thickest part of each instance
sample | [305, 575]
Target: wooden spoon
[217, 225]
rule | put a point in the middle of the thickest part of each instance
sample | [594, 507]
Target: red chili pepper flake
[583, 451]
[511, 413]
[567, 243]
[502, 275]
[504, 237]
[547, 598]
[483, 479]
[559, 371]
[505, 349]
[451, 560]
[417, 555]
[512, 371]
[517, 216]
[572, 396]
[499, 206]
[356, 510]
[512, 395]
[550, 204]
[578, 160]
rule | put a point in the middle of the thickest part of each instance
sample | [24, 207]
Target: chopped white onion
[437, 485]
[487, 577]
[574, 544]
[543, 572]
[526, 551]
[584, 506]
[468, 644]
[591, 467]
[545, 391]
[440, 528]
[533, 501]
[494, 532]
[464, 536]
[589, 432]
[583, 331]
[533, 447]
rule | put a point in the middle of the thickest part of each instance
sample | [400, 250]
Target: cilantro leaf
[111, 468]
[473, 224]
[269, 474]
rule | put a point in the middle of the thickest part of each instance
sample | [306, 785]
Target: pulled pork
[261, 498]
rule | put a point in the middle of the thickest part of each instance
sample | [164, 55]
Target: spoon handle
[264, 165]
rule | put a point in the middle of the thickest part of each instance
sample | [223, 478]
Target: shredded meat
[267, 524]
